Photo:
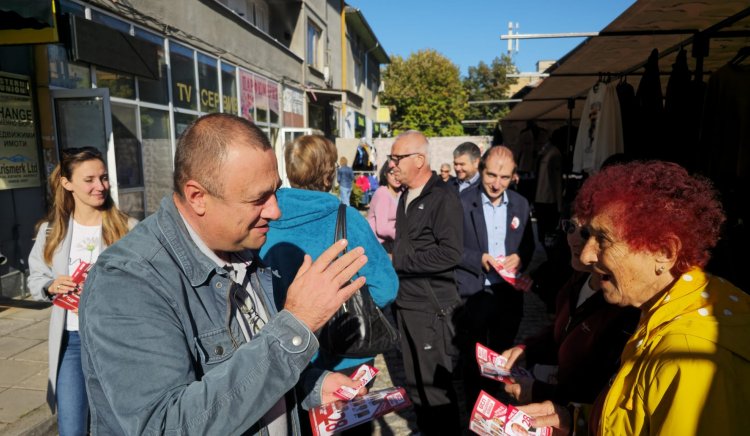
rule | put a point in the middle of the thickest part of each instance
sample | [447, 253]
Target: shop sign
[247, 95]
[19, 159]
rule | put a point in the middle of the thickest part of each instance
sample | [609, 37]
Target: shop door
[287, 135]
[83, 119]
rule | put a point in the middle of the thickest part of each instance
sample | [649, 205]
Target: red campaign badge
[515, 222]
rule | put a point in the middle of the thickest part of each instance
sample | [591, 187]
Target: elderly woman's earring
[660, 270]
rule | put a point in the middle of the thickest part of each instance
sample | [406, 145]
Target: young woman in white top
[82, 221]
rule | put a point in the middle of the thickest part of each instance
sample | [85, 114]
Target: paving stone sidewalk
[23, 369]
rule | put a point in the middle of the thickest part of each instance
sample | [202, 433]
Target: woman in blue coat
[307, 226]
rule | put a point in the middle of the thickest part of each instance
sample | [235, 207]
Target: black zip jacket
[428, 247]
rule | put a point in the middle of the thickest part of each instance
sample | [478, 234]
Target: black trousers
[491, 317]
[430, 366]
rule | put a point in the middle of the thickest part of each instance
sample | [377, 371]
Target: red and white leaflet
[364, 374]
[334, 417]
[67, 301]
[521, 282]
[490, 417]
[492, 365]
[81, 272]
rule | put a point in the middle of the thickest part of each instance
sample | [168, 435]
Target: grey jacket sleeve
[140, 361]
[40, 274]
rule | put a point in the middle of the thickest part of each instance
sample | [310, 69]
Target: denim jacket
[163, 352]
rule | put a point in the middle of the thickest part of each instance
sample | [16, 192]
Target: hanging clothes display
[650, 111]
[362, 161]
[629, 113]
[682, 108]
[600, 133]
[725, 158]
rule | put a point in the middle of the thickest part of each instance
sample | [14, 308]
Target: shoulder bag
[358, 329]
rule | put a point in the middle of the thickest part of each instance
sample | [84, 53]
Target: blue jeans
[72, 403]
[344, 194]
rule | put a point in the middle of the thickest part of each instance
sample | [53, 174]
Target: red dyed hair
[653, 201]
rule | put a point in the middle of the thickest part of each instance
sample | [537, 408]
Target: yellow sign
[19, 159]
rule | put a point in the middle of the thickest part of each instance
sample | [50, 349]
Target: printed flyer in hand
[490, 417]
[492, 365]
[70, 300]
[521, 282]
[334, 417]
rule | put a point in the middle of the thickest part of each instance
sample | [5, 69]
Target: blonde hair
[114, 222]
[311, 163]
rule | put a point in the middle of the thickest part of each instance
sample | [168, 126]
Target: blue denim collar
[196, 265]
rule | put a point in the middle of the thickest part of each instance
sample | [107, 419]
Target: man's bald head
[502, 153]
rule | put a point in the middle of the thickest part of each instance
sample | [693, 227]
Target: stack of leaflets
[70, 300]
[350, 411]
[521, 282]
[492, 365]
[334, 417]
[490, 417]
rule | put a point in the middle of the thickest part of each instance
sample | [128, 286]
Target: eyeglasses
[570, 227]
[396, 158]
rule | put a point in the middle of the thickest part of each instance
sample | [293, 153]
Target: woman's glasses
[569, 226]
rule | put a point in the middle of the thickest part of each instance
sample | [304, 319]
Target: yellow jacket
[686, 370]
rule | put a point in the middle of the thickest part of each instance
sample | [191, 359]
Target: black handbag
[358, 329]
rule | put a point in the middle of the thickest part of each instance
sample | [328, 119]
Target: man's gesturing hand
[321, 287]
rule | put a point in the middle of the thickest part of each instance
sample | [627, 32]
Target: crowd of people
[202, 319]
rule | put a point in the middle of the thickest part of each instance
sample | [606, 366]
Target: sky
[468, 31]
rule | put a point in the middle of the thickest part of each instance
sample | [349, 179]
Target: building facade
[129, 77]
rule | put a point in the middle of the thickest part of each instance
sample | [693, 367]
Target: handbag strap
[340, 224]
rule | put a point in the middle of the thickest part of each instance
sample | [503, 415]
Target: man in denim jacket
[180, 330]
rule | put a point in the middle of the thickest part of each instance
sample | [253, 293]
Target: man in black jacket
[429, 240]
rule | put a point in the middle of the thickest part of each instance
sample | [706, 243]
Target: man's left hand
[333, 382]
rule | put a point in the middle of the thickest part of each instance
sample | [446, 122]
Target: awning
[625, 44]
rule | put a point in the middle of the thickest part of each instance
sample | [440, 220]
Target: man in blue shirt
[496, 223]
[345, 177]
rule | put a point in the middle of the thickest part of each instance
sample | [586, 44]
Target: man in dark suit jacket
[496, 223]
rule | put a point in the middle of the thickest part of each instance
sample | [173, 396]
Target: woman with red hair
[686, 369]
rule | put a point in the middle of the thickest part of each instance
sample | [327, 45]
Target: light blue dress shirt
[496, 219]
[463, 184]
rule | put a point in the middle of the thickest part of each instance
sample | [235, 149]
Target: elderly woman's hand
[549, 414]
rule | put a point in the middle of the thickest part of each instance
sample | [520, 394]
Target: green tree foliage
[488, 82]
[424, 93]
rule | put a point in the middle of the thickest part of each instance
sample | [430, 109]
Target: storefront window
[208, 79]
[229, 88]
[127, 147]
[154, 91]
[360, 126]
[247, 95]
[273, 102]
[183, 76]
[157, 156]
[119, 84]
[181, 122]
[261, 100]
[64, 73]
